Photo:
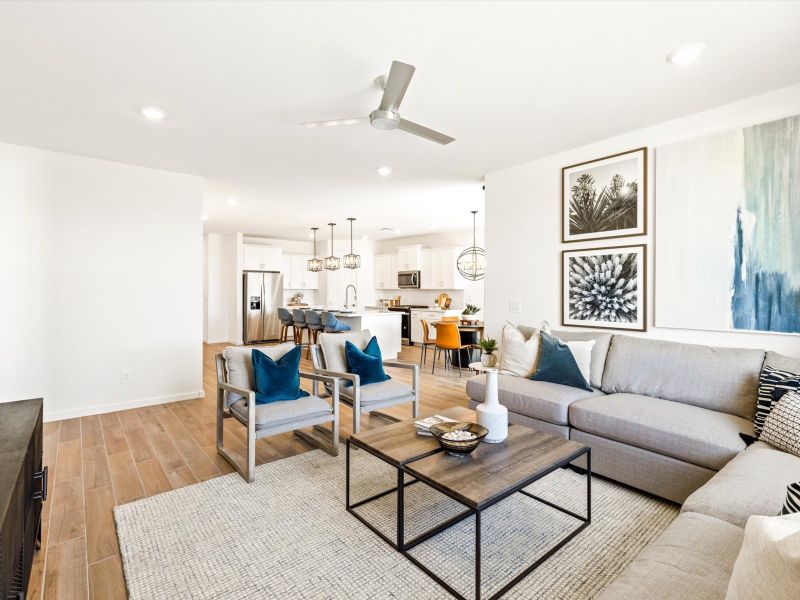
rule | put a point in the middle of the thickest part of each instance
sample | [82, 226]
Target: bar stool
[314, 324]
[299, 318]
[427, 340]
[286, 320]
[333, 325]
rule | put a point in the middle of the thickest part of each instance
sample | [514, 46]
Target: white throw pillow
[518, 355]
[582, 353]
[768, 565]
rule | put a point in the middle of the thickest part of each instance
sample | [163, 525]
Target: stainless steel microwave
[408, 279]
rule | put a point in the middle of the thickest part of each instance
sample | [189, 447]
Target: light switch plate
[515, 306]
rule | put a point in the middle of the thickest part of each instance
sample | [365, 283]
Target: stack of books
[424, 425]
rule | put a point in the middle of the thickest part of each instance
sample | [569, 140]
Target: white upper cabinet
[408, 258]
[296, 275]
[439, 271]
[386, 267]
[261, 258]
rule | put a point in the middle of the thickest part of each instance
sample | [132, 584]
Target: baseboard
[58, 415]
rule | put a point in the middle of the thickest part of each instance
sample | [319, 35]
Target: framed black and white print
[605, 287]
[605, 198]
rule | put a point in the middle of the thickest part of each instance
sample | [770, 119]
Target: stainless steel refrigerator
[263, 294]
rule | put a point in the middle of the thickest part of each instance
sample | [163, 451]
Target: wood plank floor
[100, 461]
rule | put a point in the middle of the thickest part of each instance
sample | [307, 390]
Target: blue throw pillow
[367, 364]
[277, 380]
[557, 365]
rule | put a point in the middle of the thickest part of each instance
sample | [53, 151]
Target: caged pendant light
[315, 264]
[332, 262]
[351, 261]
[472, 261]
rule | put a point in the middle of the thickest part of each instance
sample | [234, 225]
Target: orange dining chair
[427, 340]
[448, 339]
[452, 319]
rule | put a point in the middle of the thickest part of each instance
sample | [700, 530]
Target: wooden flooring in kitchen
[100, 461]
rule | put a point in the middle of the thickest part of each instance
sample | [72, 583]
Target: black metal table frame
[404, 547]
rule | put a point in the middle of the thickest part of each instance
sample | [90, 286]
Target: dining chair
[285, 317]
[314, 324]
[427, 340]
[299, 318]
[448, 339]
[331, 324]
[450, 319]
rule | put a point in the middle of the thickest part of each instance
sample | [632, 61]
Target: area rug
[288, 535]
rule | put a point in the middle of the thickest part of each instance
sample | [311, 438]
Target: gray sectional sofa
[665, 417]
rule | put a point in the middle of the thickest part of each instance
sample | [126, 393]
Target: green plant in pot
[489, 347]
[469, 314]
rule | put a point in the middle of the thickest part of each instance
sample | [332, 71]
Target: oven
[408, 279]
[405, 327]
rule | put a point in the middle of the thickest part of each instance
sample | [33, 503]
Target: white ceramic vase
[492, 414]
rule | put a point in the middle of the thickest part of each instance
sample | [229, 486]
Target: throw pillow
[772, 383]
[518, 355]
[792, 503]
[279, 380]
[582, 352]
[557, 364]
[367, 364]
[768, 565]
[782, 425]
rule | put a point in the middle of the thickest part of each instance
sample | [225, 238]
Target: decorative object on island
[605, 287]
[492, 414]
[468, 315]
[332, 262]
[619, 209]
[458, 438]
[489, 346]
[727, 230]
[315, 264]
[472, 261]
[352, 260]
[443, 301]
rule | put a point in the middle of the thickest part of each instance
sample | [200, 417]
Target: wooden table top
[491, 471]
[399, 444]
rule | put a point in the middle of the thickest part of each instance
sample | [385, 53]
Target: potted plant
[489, 346]
[468, 315]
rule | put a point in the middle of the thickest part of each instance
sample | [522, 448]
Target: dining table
[468, 335]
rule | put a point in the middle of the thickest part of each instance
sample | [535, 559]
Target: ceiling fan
[387, 115]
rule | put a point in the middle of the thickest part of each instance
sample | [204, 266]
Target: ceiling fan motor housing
[384, 119]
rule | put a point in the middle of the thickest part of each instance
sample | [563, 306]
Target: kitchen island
[386, 326]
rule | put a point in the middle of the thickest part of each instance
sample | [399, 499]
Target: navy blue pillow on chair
[367, 364]
[277, 380]
[557, 365]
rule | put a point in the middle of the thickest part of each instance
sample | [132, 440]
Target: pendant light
[472, 261]
[351, 261]
[315, 264]
[332, 262]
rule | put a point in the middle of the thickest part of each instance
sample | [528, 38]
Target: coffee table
[490, 474]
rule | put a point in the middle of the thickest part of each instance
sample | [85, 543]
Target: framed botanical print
[605, 198]
[605, 287]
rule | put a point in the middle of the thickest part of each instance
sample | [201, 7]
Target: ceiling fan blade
[335, 122]
[428, 134]
[396, 85]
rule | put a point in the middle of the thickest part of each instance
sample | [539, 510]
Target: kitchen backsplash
[423, 297]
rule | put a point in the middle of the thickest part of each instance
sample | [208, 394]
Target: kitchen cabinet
[336, 283]
[261, 258]
[408, 258]
[431, 316]
[386, 267]
[296, 275]
[439, 271]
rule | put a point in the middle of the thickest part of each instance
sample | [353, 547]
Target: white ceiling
[510, 81]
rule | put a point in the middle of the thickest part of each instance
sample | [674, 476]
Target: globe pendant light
[315, 264]
[351, 261]
[332, 262]
[472, 261]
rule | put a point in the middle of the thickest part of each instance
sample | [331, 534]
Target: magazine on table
[424, 425]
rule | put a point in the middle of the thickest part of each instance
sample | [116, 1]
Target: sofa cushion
[753, 483]
[332, 346]
[690, 433]
[772, 384]
[782, 362]
[275, 414]
[379, 392]
[782, 425]
[558, 364]
[721, 379]
[792, 503]
[692, 558]
[536, 399]
[599, 352]
[239, 365]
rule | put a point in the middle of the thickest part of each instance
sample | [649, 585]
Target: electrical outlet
[515, 306]
[127, 376]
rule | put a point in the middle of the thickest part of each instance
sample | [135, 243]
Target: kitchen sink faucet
[347, 296]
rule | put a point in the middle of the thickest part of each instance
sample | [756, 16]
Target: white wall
[524, 215]
[102, 272]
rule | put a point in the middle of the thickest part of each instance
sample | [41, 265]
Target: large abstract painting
[727, 223]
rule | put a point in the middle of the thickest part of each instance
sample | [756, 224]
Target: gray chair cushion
[239, 365]
[332, 346]
[536, 399]
[782, 362]
[599, 351]
[721, 379]
[692, 558]
[380, 392]
[689, 433]
[753, 483]
[274, 414]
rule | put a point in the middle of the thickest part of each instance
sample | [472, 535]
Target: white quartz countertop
[345, 315]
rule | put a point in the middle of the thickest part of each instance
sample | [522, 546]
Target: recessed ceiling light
[384, 171]
[686, 54]
[153, 113]
[204, 217]
[232, 201]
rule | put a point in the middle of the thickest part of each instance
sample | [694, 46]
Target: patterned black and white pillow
[782, 425]
[772, 384]
[792, 504]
